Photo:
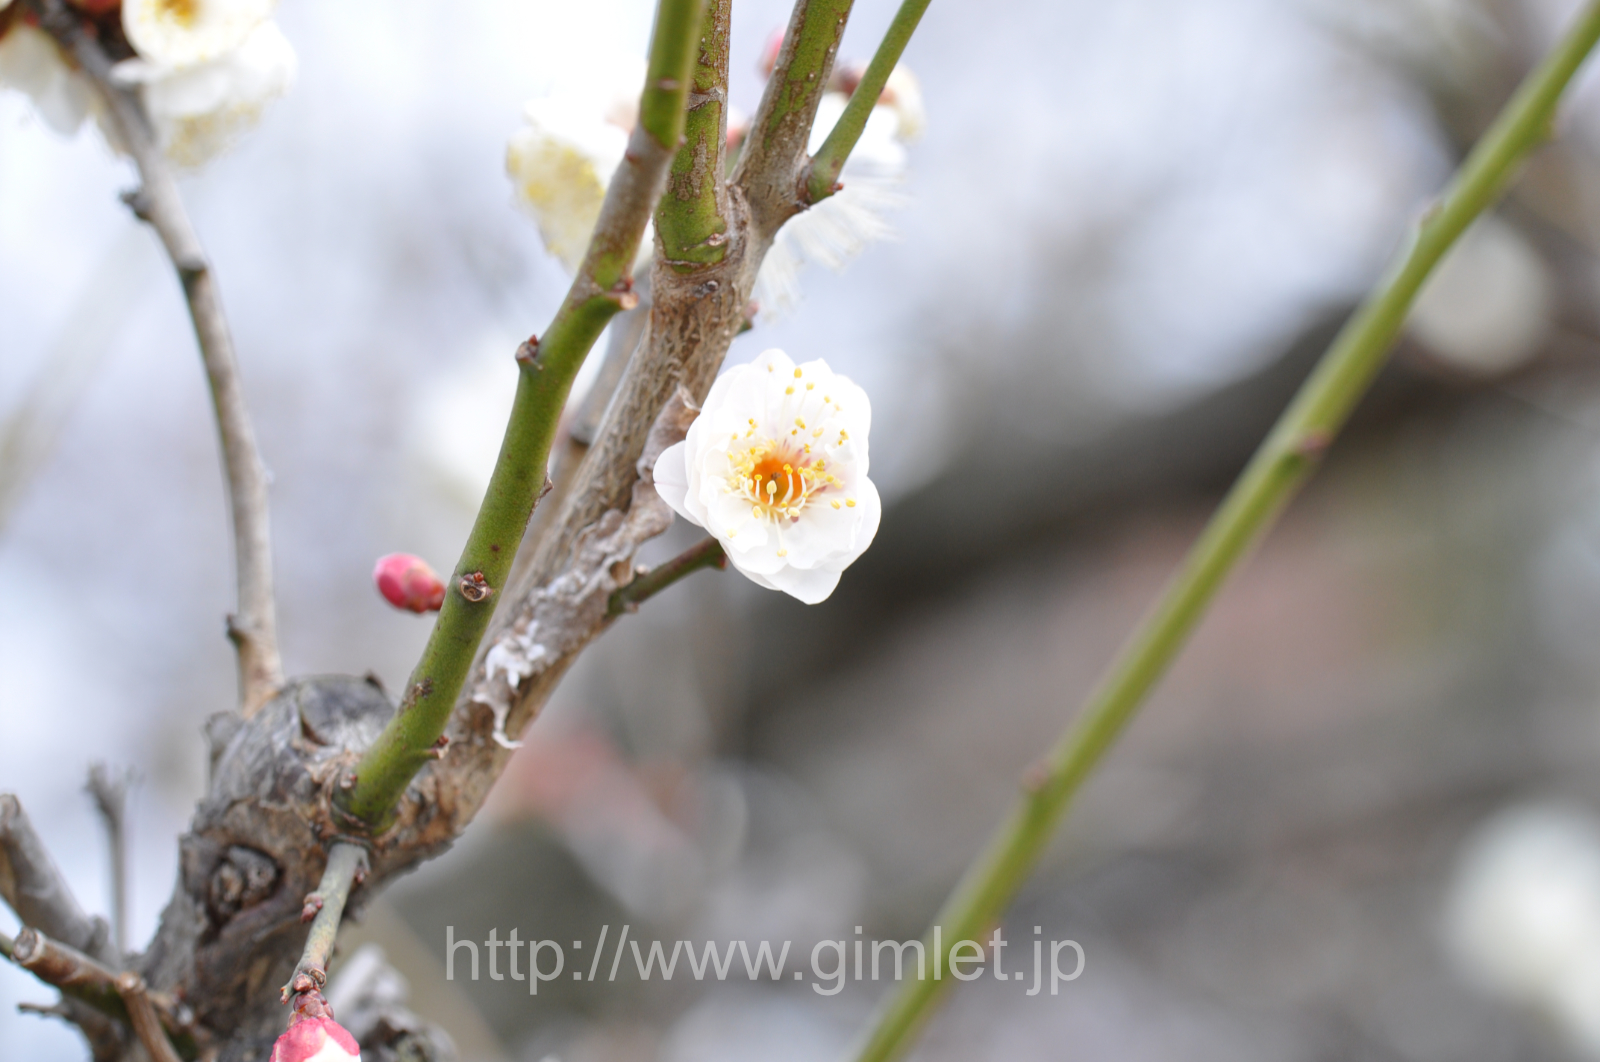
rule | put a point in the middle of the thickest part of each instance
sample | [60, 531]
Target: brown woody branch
[254, 629]
[36, 891]
[84, 980]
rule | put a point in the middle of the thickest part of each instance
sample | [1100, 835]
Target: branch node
[528, 352]
[138, 202]
[313, 904]
[475, 588]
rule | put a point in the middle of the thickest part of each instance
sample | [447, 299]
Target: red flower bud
[406, 581]
[316, 1040]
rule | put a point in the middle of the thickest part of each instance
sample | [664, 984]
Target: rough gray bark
[231, 934]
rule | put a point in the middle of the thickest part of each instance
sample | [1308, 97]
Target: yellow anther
[810, 386]
[784, 552]
[788, 468]
[797, 374]
[816, 433]
[850, 502]
[772, 488]
[769, 368]
[827, 400]
[799, 423]
[844, 435]
[755, 511]
[789, 390]
[834, 504]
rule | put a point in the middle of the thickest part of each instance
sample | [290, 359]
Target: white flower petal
[31, 63]
[184, 33]
[776, 463]
[200, 111]
[562, 161]
[809, 586]
[672, 479]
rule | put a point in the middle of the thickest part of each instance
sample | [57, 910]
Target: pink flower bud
[316, 1040]
[406, 581]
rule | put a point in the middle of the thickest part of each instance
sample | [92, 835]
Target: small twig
[110, 793]
[33, 888]
[1283, 462]
[602, 288]
[822, 174]
[706, 554]
[347, 866]
[81, 978]
[254, 630]
[146, 1024]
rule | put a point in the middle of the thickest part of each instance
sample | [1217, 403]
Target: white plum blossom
[841, 226]
[562, 160]
[186, 33]
[775, 468]
[561, 163]
[199, 110]
[31, 63]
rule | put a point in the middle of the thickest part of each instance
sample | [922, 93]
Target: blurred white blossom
[199, 110]
[174, 35]
[561, 162]
[775, 467]
[1523, 917]
[840, 227]
[31, 63]
[1489, 306]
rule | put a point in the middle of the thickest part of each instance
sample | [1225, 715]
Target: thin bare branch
[110, 792]
[146, 1023]
[36, 891]
[82, 979]
[347, 866]
[254, 629]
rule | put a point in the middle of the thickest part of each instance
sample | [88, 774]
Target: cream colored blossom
[185, 33]
[775, 468]
[31, 63]
[200, 111]
[561, 163]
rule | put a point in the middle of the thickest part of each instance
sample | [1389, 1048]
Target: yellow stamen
[834, 504]
[797, 374]
[850, 502]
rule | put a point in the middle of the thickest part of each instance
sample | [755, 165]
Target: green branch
[770, 159]
[1282, 463]
[347, 865]
[705, 554]
[822, 175]
[601, 289]
[692, 215]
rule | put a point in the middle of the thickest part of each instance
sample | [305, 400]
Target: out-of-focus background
[1361, 819]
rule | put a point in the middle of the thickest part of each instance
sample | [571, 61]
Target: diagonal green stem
[829, 160]
[1282, 463]
[601, 289]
